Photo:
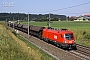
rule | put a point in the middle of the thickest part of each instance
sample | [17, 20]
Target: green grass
[64, 24]
[9, 48]
[77, 27]
[17, 48]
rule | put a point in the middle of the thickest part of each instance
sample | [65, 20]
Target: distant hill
[35, 17]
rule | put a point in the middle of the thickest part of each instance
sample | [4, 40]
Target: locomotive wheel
[46, 40]
[58, 45]
[75, 48]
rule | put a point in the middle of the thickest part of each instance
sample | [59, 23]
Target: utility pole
[49, 21]
[13, 23]
[28, 24]
[26, 21]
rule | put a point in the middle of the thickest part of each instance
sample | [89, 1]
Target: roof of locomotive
[61, 31]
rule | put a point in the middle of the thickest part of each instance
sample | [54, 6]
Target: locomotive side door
[60, 38]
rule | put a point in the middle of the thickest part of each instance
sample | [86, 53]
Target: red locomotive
[61, 38]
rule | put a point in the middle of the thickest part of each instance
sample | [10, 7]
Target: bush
[87, 36]
[84, 32]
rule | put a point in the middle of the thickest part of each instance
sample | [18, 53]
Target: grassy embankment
[80, 29]
[13, 48]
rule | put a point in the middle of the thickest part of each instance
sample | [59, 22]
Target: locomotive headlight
[65, 41]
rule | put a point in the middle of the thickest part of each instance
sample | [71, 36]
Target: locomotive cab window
[69, 36]
[61, 36]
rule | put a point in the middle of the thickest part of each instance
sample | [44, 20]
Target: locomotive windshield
[69, 36]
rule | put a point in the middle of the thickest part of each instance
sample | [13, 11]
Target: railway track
[82, 51]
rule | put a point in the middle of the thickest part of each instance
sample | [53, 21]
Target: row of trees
[33, 17]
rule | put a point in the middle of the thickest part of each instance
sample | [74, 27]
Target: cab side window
[61, 36]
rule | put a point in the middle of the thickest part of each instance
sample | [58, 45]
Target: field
[64, 24]
[80, 29]
[14, 47]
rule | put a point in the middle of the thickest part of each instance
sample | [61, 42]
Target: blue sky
[45, 6]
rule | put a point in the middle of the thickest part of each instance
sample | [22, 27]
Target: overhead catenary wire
[77, 13]
[68, 7]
